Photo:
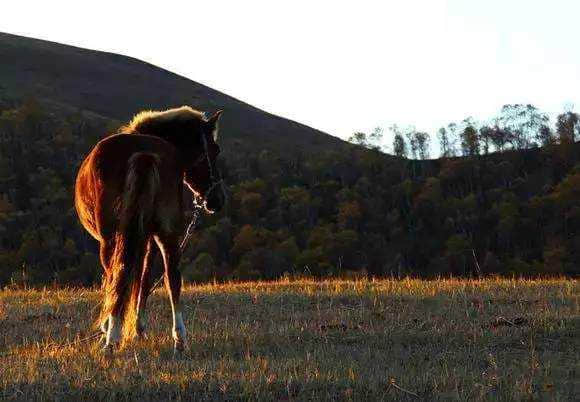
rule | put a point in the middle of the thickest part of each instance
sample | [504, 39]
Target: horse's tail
[135, 219]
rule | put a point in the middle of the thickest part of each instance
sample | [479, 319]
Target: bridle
[215, 177]
[216, 180]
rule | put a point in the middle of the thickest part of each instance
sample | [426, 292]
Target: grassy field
[304, 340]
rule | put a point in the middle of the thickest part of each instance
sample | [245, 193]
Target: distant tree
[376, 138]
[453, 137]
[295, 203]
[422, 140]
[359, 138]
[498, 137]
[30, 118]
[371, 141]
[252, 204]
[523, 123]
[346, 247]
[245, 240]
[201, 270]
[289, 250]
[399, 146]
[485, 139]
[419, 143]
[64, 135]
[410, 134]
[457, 251]
[349, 214]
[444, 142]
[568, 127]
[491, 263]
[555, 258]
[470, 141]
[545, 136]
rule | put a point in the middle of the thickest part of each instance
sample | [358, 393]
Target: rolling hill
[116, 86]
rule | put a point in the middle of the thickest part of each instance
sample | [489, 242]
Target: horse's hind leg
[106, 254]
[110, 325]
[145, 286]
[170, 251]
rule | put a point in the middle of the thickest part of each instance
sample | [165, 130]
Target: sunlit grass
[306, 340]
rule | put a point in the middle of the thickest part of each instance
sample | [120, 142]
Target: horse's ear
[215, 117]
[213, 122]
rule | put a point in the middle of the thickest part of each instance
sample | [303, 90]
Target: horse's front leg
[169, 247]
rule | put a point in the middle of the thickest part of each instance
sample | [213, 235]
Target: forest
[502, 198]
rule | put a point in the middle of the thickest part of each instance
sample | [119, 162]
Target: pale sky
[339, 66]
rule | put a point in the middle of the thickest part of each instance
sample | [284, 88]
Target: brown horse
[129, 197]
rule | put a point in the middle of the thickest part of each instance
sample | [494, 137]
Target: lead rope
[187, 235]
[192, 225]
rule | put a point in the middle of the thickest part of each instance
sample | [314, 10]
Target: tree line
[502, 199]
[516, 127]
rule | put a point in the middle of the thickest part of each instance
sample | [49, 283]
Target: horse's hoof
[178, 348]
[140, 332]
[109, 349]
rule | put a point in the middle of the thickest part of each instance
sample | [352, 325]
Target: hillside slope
[117, 86]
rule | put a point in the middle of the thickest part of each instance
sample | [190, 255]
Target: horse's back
[101, 178]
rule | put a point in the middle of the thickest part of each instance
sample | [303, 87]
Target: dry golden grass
[303, 340]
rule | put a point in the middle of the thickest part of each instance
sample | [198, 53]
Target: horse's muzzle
[216, 198]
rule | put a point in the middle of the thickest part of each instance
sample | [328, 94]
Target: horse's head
[195, 138]
[203, 176]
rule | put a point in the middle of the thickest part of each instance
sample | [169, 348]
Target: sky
[340, 66]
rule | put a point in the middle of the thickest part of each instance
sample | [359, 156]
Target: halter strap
[214, 181]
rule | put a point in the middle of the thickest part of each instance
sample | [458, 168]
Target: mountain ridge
[118, 86]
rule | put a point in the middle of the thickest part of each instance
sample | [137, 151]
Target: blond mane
[151, 120]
